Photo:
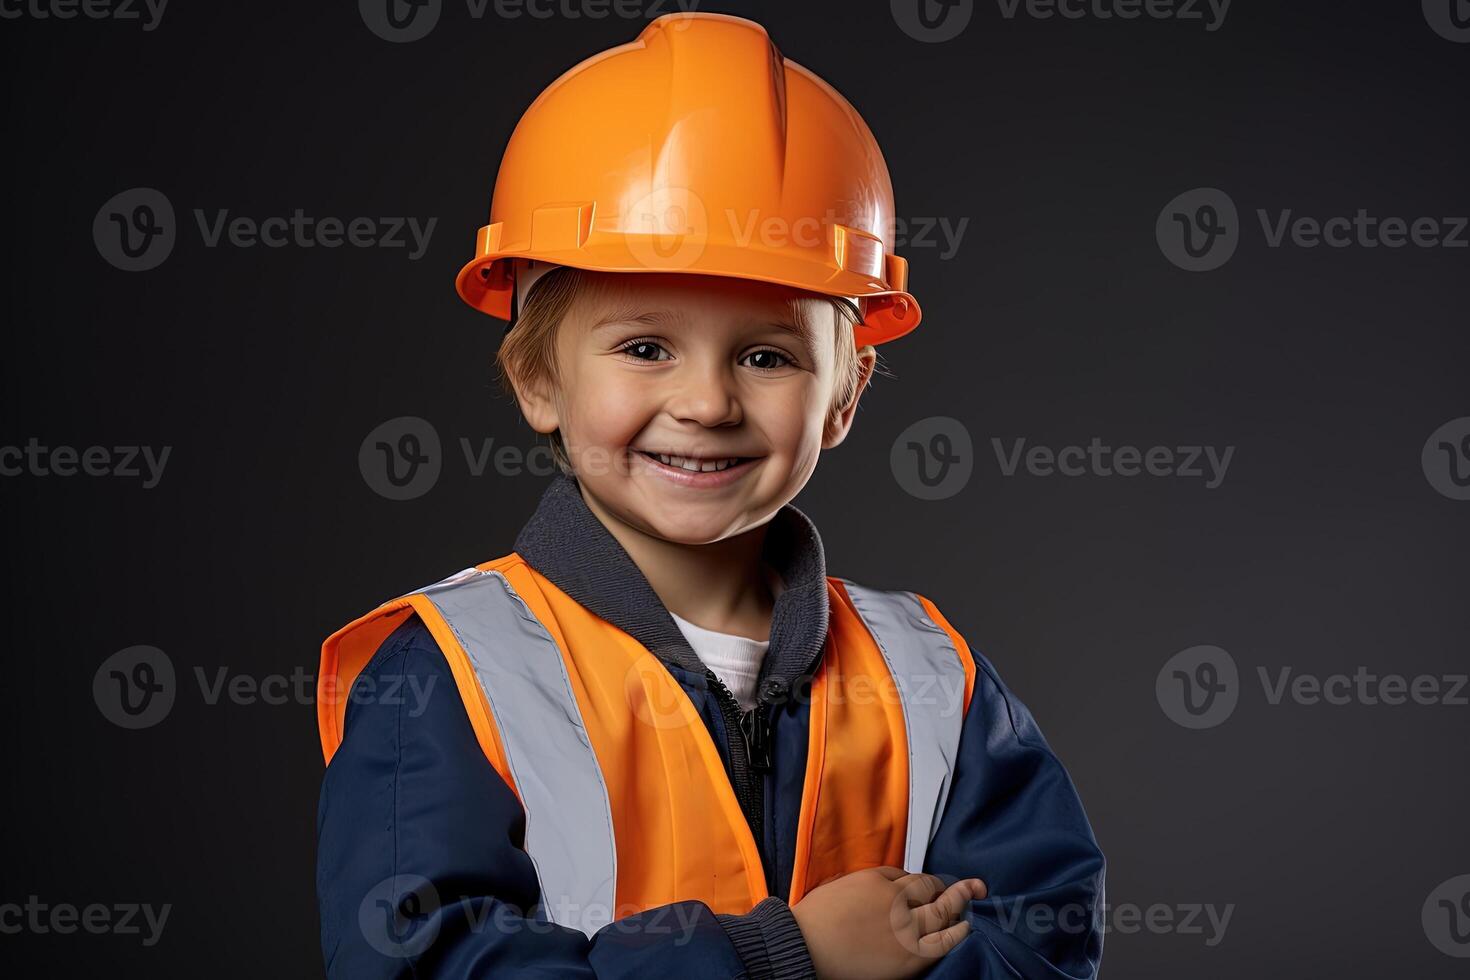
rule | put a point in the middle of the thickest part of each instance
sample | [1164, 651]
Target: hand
[883, 923]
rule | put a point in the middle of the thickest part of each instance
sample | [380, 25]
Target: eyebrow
[799, 325]
[801, 330]
[631, 314]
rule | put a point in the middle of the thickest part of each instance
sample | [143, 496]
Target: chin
[690, 528]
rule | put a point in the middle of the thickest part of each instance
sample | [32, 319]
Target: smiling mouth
[697, 464]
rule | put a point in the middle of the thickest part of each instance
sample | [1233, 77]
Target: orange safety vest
[606, 752]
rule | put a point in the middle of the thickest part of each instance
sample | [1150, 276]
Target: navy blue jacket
[410, 800]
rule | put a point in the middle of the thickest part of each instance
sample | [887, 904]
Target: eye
[643, 350]
[772, 359]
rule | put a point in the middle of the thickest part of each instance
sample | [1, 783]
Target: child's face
[697, 366]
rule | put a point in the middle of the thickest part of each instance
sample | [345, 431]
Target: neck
[720, 586]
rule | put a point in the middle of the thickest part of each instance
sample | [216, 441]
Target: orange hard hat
[697, 148]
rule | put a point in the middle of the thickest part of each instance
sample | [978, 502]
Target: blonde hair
[528, 352]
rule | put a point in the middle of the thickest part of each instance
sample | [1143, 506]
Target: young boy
[656, 739]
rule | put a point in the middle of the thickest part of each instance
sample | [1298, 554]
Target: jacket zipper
[748, 745]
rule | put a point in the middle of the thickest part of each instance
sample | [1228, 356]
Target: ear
[840, 420]
[537, 401]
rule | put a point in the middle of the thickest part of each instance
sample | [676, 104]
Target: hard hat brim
[486, 283]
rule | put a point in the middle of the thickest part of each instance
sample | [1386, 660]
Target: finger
[891, 873]
[937, 944]
[920, 889]
[945, 909]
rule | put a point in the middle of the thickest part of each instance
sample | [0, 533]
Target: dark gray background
[1059, 319]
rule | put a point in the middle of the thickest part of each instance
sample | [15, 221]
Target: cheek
[605, 408]
[790, 416]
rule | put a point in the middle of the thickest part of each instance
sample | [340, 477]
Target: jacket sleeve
[421, 871]
[1014, 820]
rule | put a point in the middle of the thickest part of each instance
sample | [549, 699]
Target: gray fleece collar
[565, 542]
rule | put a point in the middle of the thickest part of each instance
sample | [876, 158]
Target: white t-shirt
[736, 660]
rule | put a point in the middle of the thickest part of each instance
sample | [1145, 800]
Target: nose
[705, 393]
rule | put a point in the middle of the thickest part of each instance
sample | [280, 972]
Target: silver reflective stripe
[931, 682]
[569, 829]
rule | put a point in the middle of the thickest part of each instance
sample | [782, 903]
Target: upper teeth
[696, 465]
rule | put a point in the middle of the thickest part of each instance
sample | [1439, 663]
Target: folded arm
[1013, 819]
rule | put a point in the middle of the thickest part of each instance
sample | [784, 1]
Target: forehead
[673, 299]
